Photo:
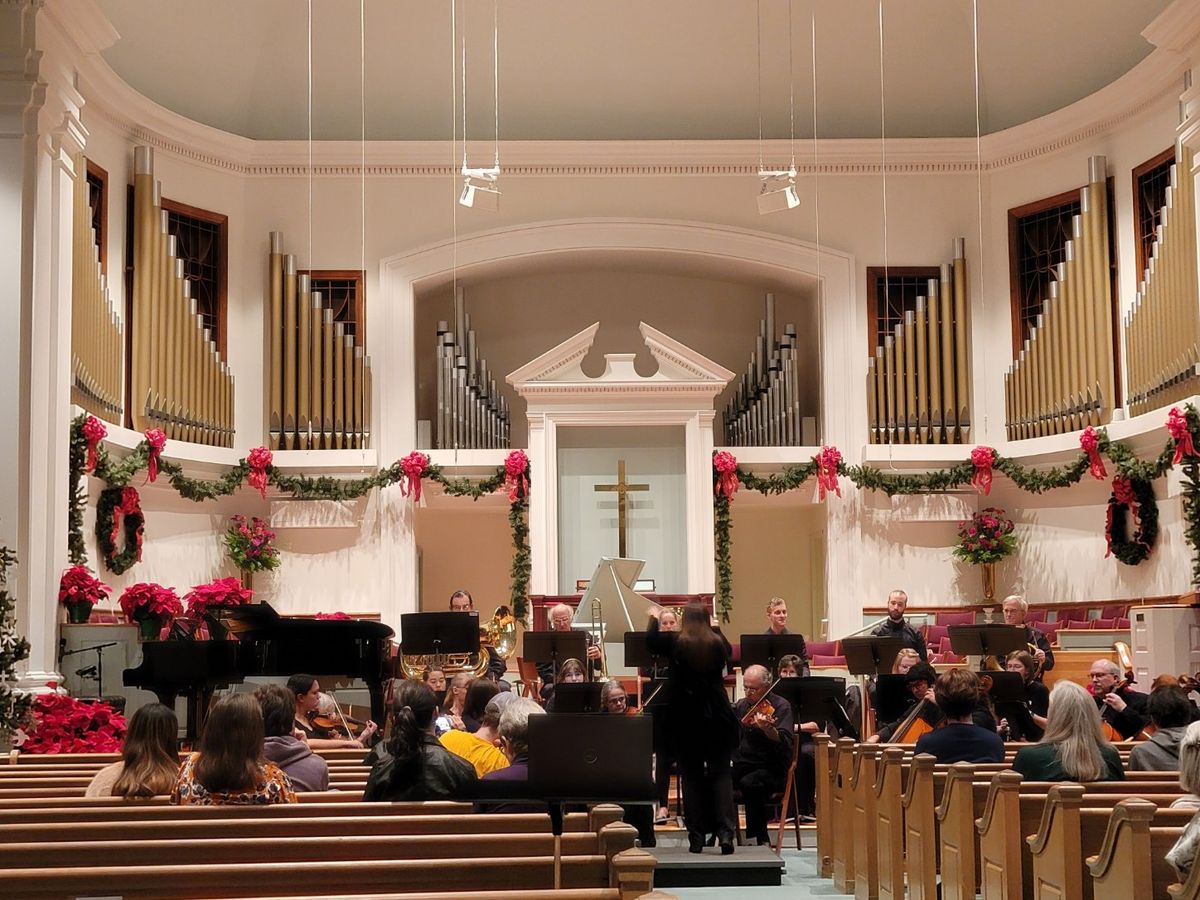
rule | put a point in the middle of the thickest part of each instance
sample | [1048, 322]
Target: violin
[338, 726]
[762, 707]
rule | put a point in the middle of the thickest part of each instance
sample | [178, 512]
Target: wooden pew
[1132, 862]
[843, 818]
[823, 759]
[920, 836]
[862, 790]
[1074, 826]
[889, 824]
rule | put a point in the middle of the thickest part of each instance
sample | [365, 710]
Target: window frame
[874, 275]
[1141, 256]
[222, 222]
[101, 175]
[358, 276]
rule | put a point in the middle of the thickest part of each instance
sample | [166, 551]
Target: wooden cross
[622, 487]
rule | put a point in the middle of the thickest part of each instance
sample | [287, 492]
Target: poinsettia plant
[222, 593]
[78, 586]
[62, 724]
[250, 544]
[986, 537]
[146, 600]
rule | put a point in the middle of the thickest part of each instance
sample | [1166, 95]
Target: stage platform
[745, 866]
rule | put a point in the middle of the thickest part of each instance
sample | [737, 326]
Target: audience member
[456, 698]
[480, 749]
[307, 771]
[1073, 747]
[412, 764]
[1170, 712]
[230, 769]
[514, 741]
[959, 739]
[1183, 854]
[149, 759]
[479, 692]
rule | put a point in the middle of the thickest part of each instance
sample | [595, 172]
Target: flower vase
[217, 630]
[149, 629]
[79, 613]
[247, 578]
[989, 582]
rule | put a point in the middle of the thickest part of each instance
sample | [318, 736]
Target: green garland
[1034, 481]
[122, 560]
[301, 487]
[1137, 548]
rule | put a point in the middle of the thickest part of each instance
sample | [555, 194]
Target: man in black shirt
[764, 750]
[1015, 608]
[461, 601]
[1124, 709]
[777, 616]
[897, 626]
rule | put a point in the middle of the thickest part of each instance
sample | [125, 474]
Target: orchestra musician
[560, 618]
[919, 679]
[957, 738]
[657, 672]
[307, 691]
[700, 723]
[1026, 721]
[1015, 608]
[461, 601]
[570, 672]
[456, 700]
[1121, 708]
[764, 749]
[897, 626]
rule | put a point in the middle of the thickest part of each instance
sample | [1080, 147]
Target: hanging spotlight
[481, 189]
[777, 191]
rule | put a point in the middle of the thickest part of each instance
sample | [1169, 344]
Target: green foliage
[724, 525]
[14, 705]
[1137, 547]
[987, 537]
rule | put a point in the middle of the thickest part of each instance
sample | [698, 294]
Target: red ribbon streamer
[1089, 441]
[725, 468]
[516, 480]
[94, 432]
[157, 440]
[982, 458]
[1177, 425]
[258, 460]
[413, 466]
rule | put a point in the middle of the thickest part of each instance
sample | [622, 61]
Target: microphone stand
[99, 648]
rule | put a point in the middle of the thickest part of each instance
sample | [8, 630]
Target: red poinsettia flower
[79, 586]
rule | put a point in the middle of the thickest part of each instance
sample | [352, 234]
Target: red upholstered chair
[1122, 623]
[966, 617]
[822, 660]
[1102, 623]
[1072, 613]
[1050, 629]
[822, 648]
[935, 634]
[1116, 611]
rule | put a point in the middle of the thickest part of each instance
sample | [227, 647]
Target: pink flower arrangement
[250, 544]
[222, 593]
[986, 537]
[78, 586]
[62, 724]
[147, 600]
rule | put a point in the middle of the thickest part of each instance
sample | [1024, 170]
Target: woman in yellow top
[481, 749]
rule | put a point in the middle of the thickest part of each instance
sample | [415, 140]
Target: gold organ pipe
[889, 379]
[348, 389]
[359, 419]
[934, 310]
[910, 376]
[290, 288]
[872, 407]
[949, 382]
[961, 361]
[315, 351]
[922, 374]
[901, 394]
[1098, 172]
[1088, 286]
[329, 379]
[143, 242]
[275, 268]
[367, 395]
[304, 360]
[339, 396]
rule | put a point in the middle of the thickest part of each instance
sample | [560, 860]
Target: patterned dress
[273, 787]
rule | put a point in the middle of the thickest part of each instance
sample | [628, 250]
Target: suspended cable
[310, 117]
[979, 180]
[362, 138]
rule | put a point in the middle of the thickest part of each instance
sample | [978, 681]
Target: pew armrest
[1062, 797]
[1129, 817]
[1003, 781]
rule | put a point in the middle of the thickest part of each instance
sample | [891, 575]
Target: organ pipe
[1161, 331]
[180, 384]
[1064, 378]
[765, 407]
[918, 378]
[319, 394]
[97, 336]
[470, 412]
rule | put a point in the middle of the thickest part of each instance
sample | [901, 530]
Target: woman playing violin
[307, 691]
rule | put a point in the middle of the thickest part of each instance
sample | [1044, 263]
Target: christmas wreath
[1136, 496]
[118, 510]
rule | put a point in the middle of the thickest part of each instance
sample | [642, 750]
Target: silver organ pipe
[470, 412]
[765, 407]
[319, 389]
[97, 336]
[918, 378]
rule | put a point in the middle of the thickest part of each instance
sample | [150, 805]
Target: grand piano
[267, 644]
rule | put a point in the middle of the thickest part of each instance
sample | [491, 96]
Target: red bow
[982, 458]
[259, 460]
[1089, 441]
[726, 482]
[516, 480]
[828, 460]
[413, 466]
[1177, 425]
[94, 432]
[157, 440]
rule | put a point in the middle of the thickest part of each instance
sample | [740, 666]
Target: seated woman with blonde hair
[149, 759]
[230, 768]
[1073, 747]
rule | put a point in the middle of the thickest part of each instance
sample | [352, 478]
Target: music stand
[768, 649]
[439, 633]
[891, 697]
[1007, 687]
[871, 655]
[987, 640]
[589, 759]
[638, 655]
[578, 698]
[555, 646]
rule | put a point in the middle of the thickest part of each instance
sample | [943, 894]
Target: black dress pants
[756, 784]
[708, 799]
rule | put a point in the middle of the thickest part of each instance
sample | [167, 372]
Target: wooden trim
[360, 299]
[1138, 172]
[222, 222]
[874, 274]
[101, 175]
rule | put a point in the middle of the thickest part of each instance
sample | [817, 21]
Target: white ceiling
[622, 69]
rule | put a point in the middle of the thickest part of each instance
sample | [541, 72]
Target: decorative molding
[670, 352]
[141, 120]
[556, 359]
[1176, 28]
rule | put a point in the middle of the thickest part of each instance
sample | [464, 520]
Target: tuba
[500, 633]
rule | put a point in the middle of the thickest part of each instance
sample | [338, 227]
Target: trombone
[596, 636]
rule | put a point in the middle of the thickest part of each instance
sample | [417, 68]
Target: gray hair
[1073, 726]
[495, 708]
[514, 723]
[1189, 759]
[1109, 666]
[759, 671]
[1017, 598]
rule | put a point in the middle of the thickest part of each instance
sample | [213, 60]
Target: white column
[543, 505]
[701, 543]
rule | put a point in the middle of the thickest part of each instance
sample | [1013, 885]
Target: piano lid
[262, 620]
